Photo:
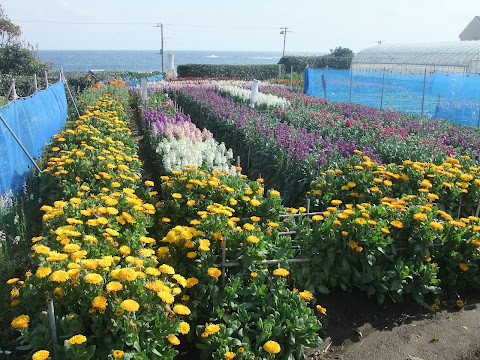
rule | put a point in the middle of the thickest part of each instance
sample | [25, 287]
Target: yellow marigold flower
[181, 309]
[43, 272]
[253, 274]
[113, 286]
[124, 250]
[388, 183]
[152, 271]
[214, 272]
[191, 282]
[100, 303]
[420, 217]
[336, 223]
[460, 304]
[254, 202]
[71, 247]
[180, 280]
[321, 309]
[254, 218]
[306, 295]
[166, 269]
[212, 329]
[166, 296]
[20, 322]
[397, 224]
[15, 302]
[476, 243]
[129, 305]
[272, 347]
[431, 196]
[229, 355]
[173, 340]
[195, 222]
[41, 355]
[12, 281]
[385, 231]
[360, 221]
[463, 267]
[281, 272]
[274, 193]
[253, 239]
[77, 340]
[336, 202]
[118, 354]
[435, 225]
[184, 328]
[93, 278]
[177, 196]
[192, 255]
[59, 276]
[248, 226]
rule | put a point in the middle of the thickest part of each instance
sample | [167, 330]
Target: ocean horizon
[151, 60]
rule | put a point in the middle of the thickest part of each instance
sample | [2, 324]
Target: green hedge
[299, 63]
[245, 72]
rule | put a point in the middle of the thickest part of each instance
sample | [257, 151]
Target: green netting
[453, 96]
[34, 120]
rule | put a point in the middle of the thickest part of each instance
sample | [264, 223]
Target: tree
[9, 32]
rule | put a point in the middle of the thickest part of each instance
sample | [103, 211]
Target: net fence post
[351, 83]
[35, 83]
[478, 121]
[383, 86]
[46, 79]
[62, 75]
[423, 95]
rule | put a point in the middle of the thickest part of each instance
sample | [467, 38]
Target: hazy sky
[316, 26]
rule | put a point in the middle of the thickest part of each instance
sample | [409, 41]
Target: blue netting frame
[34, 120]
[453, 96]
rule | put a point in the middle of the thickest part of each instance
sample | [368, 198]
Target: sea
[150, 60]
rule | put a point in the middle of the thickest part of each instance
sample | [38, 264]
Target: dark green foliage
[244, 72]
[339, 58]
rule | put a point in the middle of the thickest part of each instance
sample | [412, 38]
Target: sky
[247, 25]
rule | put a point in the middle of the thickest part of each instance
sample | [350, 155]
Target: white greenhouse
[458, 57]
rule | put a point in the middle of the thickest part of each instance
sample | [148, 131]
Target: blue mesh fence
[34, 120]
[453, 96]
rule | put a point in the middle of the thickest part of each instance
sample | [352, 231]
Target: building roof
[472, 31]
[457, 54]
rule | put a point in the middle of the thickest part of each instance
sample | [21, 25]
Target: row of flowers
[94, 257]
[254, 314]
[262, 102]
[314, 134]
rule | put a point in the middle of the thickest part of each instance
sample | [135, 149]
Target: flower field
[206, 254]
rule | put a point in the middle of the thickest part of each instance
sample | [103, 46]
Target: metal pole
[423, 95]
[68, 88]
[284, 40]
[46, 79]
[10, 89]
[383, 84]
[291, 75]
[351, 83]
[20, 143]
[478, 121]
[238, 160]
[224, 251]
[53, 328]
[161, 31]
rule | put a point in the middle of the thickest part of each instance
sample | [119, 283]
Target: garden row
[93, 256]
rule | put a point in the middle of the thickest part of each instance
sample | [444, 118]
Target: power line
[140, 23]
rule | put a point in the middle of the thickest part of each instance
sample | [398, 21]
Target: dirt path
[358, 329]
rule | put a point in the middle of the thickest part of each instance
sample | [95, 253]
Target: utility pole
[284, 33]
[161, 34]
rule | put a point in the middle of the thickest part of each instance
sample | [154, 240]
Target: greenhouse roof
[459, 53]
